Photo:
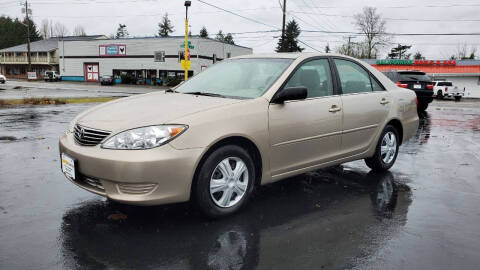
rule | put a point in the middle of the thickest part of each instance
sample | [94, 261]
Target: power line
[236, 14]
[393, 19]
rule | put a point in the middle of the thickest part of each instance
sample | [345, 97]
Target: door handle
[334, 108]
[384, 101]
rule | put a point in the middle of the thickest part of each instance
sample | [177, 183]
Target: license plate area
[69, 166]
[417, 86]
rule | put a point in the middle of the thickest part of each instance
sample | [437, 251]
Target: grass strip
[53, 101]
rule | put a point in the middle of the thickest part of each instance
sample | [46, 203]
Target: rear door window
[444, 84]
[353, 78]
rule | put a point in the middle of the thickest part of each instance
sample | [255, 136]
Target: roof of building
[48, 45]
[177, 37]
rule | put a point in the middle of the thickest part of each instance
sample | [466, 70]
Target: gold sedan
[244, 122]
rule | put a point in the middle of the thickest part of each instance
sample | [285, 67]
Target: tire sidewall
[386, 166]
[202, 182]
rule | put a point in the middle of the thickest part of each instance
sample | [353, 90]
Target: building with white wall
[148, 60]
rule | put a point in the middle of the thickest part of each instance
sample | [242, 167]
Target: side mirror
[290, 93]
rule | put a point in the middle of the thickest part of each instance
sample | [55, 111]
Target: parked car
[417, 81]
[443, 89]
[51, 76]
[3, 79]
[106, 80]
[243, 122]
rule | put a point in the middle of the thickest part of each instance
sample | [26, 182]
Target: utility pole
[284, 8]
[186, 54]
[28, 10]
[348, 46]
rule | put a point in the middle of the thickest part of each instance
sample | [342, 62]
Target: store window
[160, 56]
[180, 56]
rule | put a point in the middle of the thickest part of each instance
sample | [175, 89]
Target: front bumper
[140, 177]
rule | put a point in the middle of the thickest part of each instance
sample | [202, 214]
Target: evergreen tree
[220, 36]
[229, 39]
[204, 32]
[122, 31]
[13, 32]
[165, 27]
[290, 44]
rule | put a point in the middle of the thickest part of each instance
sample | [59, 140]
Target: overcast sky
[142, 17]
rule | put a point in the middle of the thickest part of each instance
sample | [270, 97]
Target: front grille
[89, 136]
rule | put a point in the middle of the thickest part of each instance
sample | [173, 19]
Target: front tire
[225, 181]
[386, 151]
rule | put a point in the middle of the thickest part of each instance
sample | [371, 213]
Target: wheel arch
[238, 140]
[397, 124]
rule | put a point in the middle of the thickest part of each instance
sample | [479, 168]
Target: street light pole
[186, 54]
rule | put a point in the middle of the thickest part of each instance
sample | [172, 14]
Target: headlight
[144, 138]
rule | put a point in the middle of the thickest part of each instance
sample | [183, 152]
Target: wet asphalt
[424, 214]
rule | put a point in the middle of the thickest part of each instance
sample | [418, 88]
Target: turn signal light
[402, 85]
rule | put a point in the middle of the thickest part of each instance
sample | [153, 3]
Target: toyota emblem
[82, 133]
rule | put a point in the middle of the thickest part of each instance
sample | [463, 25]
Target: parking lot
[422, 215]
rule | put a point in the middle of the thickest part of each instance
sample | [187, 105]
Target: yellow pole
[186, 48]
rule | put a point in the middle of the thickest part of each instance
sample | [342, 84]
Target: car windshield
[414, 76]
[237, 78]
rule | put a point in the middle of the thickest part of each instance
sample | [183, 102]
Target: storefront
[149, 61]
[463, 73]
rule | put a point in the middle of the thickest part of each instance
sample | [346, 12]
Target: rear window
[413, 76]
[445, 84]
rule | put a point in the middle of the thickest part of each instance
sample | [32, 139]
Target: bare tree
[60, 30]
[45, 29]
[462, 51]
[79, 31]
[373, 26]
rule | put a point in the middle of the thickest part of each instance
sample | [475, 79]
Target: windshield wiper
[205, 94]
[171, 91]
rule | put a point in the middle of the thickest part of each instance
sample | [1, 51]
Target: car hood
[148, 109]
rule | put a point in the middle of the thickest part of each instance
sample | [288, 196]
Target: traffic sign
[190, 46]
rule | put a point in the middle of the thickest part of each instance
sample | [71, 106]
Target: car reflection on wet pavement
[421, 215]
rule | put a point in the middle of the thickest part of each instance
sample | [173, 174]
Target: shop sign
[435, 63]
[112, 50]
[32, 75]
[406, 62]
[402, 62]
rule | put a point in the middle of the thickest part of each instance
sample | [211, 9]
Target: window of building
[160, 56]
[180, 56]
[353, 78]
[19, 54]
[229, 54]
[214, 58]
[22, 70]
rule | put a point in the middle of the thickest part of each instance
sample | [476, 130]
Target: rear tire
[386, 150]
[422, 106]
[234, 184]
[458, 98]
[439, 94]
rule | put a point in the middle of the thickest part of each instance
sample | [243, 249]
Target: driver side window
[315, 76]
